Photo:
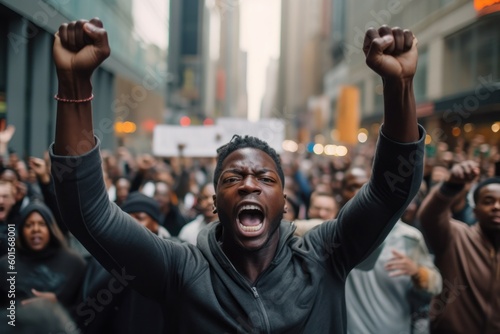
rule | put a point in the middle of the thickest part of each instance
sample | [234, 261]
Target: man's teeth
[249, 207]
[251, 228]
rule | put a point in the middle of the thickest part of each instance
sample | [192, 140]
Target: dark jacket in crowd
[54, 269]
[123, 310]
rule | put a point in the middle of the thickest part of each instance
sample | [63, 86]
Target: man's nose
[250, 184]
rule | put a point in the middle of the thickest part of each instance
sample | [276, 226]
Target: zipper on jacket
[262, 309]
[255, 293]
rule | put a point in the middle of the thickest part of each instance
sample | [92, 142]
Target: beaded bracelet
[60, 99]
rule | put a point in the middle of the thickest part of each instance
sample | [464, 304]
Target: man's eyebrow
[232, 170]
[265, 171]
[259, 171]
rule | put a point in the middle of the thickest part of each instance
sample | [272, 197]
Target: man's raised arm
[113, 237]
[435, 212]
[365, 221]
[76, 58]
[392, 54]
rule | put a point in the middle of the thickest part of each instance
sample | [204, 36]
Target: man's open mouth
[250, 218]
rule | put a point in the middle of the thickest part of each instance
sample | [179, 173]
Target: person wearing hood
[45, 266]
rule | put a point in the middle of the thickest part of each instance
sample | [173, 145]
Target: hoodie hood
[56, 238]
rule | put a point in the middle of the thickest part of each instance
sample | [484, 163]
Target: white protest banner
[271, 130]
[195, 141]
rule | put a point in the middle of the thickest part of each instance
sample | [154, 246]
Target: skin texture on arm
[75, 61]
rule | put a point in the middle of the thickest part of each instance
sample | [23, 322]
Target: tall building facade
[208, 66]
[457, 85]
[185, 60]
[302, 63]
[130, 81]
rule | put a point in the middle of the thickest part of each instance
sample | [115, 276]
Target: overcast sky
[260, 37]
[151, 20]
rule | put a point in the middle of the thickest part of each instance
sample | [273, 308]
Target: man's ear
[285, 209]
[215, 204]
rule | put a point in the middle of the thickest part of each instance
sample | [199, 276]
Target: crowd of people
[389, 239]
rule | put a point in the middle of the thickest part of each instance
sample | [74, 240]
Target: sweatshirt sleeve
[365, 221]
[435, 217]
[129, 251]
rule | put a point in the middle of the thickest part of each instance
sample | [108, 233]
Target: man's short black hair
[238, 142]
[482, 184]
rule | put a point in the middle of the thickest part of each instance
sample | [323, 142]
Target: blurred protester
[296, 183]
[20, 190]
[7, 202]
[45, 267]
[392, 297]
[126, 162]
[353, 180]
[110, 164]
[467, 256]
[146, 211]
[41, 169]
[171, 216]
[110, 186]
[207, 214]
[122, 188]
[145, 175]
[322, 205]
[295, 204]
[32, 191]
[292, 207]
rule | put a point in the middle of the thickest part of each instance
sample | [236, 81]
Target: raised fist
[80, 46]
[464, 172]
[391, 52]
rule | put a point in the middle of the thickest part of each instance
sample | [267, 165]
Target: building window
[420, 80]
[471, 54]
